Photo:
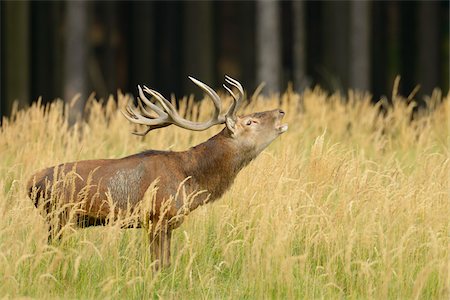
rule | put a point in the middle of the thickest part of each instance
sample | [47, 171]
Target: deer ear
[231, 125]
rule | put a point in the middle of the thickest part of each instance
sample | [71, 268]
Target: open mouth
[281, 127]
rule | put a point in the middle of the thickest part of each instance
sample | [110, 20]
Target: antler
[236, 99]
[168, 115]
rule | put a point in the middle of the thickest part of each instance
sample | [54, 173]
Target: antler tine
[236, 99]
[212, 94]
[168, 107]
[151, 128]
[143, 110]
[234, 83]
[143, 133]
[216, 118]
[136, 117]
[147, 102]
[153, 123]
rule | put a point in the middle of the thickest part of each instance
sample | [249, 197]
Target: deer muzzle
[281, 128]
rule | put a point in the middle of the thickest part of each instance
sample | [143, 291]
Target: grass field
[349, 203]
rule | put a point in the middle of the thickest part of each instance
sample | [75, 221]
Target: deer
[206, 170]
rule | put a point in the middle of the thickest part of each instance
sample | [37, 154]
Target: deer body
[207, 169]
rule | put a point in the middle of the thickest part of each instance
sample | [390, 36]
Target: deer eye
[248, 123]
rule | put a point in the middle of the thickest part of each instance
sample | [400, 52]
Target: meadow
[351, 202]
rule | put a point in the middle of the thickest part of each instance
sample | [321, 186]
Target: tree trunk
[428, 45]
[246, 44]
[392, 44]
[335, 43]
[45, 65]
[76, 45]
[141, 51]
[360, 45]
[17, 46]
[198, 42]
[300, 80]
[268, 44]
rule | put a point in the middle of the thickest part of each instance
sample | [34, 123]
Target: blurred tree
[235, 40]
[246, 45]
[299, 51]
[314, 41]
[141, 44]
[46, 57]
[109, 62]
[428, 44]
[408, 54]
[110, 58]
[169, 46]
[268, 44]
[17, 56]
[198, 42]
[360, 45]
[336, 45]
[378, 49]
[76, 52]
[392, 42]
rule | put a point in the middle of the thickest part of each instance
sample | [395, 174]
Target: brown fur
[211, 167]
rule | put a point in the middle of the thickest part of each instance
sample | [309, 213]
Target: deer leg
[54, 231]
[53, 225]
[165, 247]
[56, 223]
[154, 249]
[155, 246]
[50, 234]
[160, 239]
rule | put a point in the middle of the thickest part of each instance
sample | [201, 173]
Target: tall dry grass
[350, 202]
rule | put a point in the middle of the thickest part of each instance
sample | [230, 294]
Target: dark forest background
[57, 49]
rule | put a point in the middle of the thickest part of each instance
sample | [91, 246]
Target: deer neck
[214, 164]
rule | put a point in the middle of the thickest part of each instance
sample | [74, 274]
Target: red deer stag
[210, 167]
